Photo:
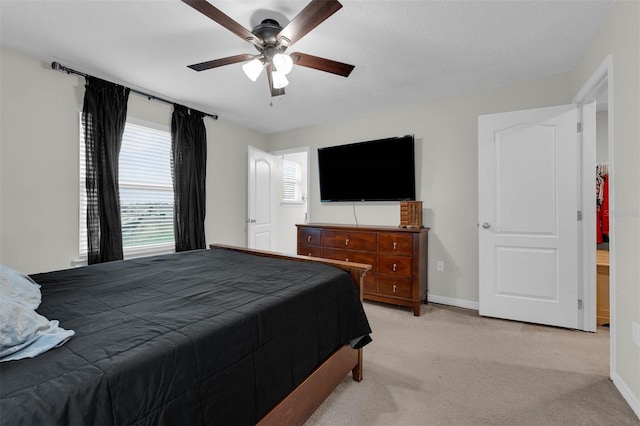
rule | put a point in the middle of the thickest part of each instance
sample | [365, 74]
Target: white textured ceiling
[403, 50]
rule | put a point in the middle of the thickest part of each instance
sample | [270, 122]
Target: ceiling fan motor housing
[268, 32]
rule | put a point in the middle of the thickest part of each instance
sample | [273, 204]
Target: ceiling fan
[271, 41]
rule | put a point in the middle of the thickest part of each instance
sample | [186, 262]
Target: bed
[219, 336]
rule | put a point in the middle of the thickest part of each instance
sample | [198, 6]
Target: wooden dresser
[398, 257]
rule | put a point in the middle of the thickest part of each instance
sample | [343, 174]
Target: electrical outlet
[440, 266]
[636, 333]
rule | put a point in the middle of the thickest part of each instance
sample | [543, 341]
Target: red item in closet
[604, 207]
[598, 226]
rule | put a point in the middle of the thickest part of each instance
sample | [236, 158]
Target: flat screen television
[378, 170]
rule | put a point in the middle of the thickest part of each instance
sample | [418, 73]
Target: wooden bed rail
[301, 403]
[356, 270]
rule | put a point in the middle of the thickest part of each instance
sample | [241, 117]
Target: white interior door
[261, 192]
[528, 224]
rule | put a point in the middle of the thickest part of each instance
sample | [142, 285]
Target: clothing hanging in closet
[602, 203]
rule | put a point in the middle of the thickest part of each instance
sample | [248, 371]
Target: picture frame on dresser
[397, 255]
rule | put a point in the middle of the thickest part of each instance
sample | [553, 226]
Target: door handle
[486, 225]
[251, 221]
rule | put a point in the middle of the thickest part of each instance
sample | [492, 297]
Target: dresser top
[362, 227]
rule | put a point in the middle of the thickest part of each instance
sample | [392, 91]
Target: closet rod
[58, 66]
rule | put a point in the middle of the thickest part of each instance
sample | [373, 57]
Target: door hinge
[579, 127]
[579, 216]
[579, 304]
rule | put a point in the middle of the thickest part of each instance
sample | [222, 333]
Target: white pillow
[19, 288]
[25, 333]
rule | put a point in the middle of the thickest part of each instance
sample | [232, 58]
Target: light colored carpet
[452, 367]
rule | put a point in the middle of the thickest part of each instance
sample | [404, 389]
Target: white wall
[227, 180]
[39, 165]
[620, 37]
[446, 163]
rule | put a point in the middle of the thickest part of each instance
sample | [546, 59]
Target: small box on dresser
[398, 257]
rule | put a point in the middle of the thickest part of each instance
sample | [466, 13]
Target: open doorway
[603, 232]
[598, 90]
[292, 206]
[277, 198]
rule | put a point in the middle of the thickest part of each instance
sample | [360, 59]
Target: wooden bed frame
[300, 404]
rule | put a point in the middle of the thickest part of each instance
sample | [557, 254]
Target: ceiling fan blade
[274, 91]
[218, 16]
[321, 64]
[222, 61]
[310, 17]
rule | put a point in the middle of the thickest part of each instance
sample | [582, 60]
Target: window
[291, 182]
[146, 192]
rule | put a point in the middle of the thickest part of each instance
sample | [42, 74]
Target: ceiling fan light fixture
[272, 40]
[252, 69]
[279, 80]
[283, 63]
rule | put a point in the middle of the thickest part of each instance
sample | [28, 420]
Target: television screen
[379, 170]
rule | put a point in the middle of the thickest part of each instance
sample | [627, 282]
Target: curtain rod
[58, 66]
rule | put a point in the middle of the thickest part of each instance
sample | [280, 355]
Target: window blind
[146, 192]
[291, 181]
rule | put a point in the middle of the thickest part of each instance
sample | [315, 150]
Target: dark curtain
[103, 114]
[189, 167]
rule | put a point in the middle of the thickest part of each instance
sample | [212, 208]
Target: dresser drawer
[395, 243]
[305, 250]
[352, 240]
[309, 236]
[395, 286]
[395, 265]
[351, 256]
[370, 283]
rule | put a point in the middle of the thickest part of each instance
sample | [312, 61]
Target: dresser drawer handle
[394, 288]
[309, 238]
[346, 242]
[395, 245]
[347, 259]
[395, 267]
[309, 254]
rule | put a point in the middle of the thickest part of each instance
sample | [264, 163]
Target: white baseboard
[460, 303]
[626, 393]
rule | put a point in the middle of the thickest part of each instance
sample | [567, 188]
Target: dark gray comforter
[200, 337]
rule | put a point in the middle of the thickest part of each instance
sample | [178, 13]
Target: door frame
[277, 203]
[307, 150]
[588, 93]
